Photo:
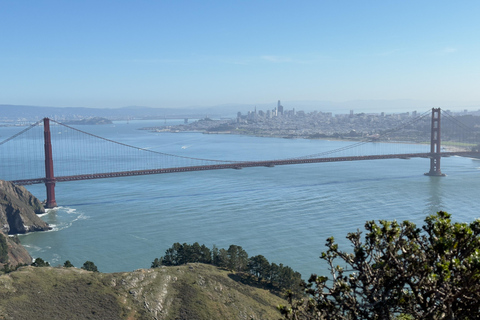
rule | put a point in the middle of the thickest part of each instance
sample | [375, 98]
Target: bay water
[284, 213]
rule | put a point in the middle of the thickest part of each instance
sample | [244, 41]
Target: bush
[68, 264]
[39, 262]
[90, 266]
[398, 270]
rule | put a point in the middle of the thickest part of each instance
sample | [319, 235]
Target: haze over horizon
[112, 54]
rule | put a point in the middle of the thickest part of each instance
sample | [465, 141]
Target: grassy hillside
[192, 291]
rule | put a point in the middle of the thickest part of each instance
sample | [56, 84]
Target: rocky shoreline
[19, 210]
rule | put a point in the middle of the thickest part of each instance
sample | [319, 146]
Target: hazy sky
[185, 53]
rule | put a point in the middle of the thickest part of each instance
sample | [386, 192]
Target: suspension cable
[460, 123]
[357, 144]
[21, 132]
[142, 149]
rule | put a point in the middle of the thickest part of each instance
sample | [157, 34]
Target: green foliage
[90, 266]
[39, 262]
[180, 254]
[259, 266]
[157, 263]
[6, 269]
[3, 249]
[398, 271]
[221, 259]
[68, 264]
[235, 258]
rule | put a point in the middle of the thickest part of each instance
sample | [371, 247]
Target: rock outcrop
[16, 253]
[19, 209]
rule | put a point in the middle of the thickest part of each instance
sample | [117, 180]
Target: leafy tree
[205, 254]
[277, 277]
[68, 264]
[274, 273]
[237, 258]
[174, 256]
[90, 266]
[180, 254]
[259, 267]
[215, 256]
[289, 279]
[398, 271]
[194, 252]
[220, 258]
[39, 262]
[156, 263]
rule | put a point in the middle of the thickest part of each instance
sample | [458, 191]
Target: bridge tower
[435, 145]
[49, 177]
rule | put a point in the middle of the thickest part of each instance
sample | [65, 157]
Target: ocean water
[284, 213]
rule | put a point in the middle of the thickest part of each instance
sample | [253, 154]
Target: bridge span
[246, 164]
[50, 179]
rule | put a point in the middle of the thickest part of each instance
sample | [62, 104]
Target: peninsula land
[401, 127]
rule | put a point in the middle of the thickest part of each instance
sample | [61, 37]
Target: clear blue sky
[201, 53]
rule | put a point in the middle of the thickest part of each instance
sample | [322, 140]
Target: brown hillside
[192, 291]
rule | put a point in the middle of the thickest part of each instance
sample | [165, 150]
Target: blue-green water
[284, 213]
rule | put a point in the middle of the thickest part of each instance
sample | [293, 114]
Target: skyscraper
[279, 108]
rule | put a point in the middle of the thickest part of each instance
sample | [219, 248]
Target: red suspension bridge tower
[435, 145]
[49, 176]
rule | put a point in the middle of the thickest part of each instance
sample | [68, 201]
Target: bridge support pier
[435, 146]
[49, 176]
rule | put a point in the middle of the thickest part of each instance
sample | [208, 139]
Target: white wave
[68, 224]
[48, 210]
[56, 258]
[140, 238]
[82, 217]
[32, 248]
[71, 215]
[55, 228]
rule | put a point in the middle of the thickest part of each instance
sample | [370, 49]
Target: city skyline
[184, 54]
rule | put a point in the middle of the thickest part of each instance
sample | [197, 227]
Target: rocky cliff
[19, 210]
[16, 254]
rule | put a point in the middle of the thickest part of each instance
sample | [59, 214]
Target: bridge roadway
[240, 165]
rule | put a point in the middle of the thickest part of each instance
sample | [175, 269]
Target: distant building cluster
[299, 123]
[289, 123]
[278, 111]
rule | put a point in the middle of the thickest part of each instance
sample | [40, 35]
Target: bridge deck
[240, 165]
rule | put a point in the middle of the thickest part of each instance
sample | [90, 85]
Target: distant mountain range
[33, 113]
[29, 113]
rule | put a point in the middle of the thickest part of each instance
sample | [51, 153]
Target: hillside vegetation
[192, 291]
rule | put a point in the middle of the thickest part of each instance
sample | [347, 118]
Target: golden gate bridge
[31, 162]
